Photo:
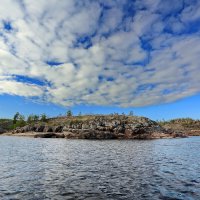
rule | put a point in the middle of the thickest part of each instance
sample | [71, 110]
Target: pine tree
[69, 113]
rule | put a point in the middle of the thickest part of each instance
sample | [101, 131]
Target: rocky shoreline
[98, 127]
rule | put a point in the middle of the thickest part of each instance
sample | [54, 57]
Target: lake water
[86, 169]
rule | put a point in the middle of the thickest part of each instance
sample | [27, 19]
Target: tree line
[19, 120]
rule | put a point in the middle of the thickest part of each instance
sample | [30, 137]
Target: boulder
[65, 129]
[119, 129]
[69, 135]
[76, 126]
[58, 129]
[128, 132]
[85, 126]
[48, 129]
[33, 128]
[40, 128]
[18, 130]
[93, 126]
[2, 130]
[49, 135]
[26, 128]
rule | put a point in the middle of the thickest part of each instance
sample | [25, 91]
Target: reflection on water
[85, 169]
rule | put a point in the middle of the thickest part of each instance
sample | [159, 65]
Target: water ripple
[80, 169]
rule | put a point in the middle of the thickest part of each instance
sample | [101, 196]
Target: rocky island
[103, 127]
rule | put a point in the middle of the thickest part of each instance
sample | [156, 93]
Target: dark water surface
[82, 169]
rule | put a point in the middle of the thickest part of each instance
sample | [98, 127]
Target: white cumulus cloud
[122, 53]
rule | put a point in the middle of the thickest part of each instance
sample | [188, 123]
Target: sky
[97, 56]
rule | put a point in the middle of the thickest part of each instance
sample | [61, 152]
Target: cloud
[17, 88]
[121, 53]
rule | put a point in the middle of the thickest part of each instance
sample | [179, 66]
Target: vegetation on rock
[111, 126]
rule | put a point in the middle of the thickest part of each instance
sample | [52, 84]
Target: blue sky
[100, 57]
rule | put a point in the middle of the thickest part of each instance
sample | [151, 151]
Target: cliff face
[99, 127]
